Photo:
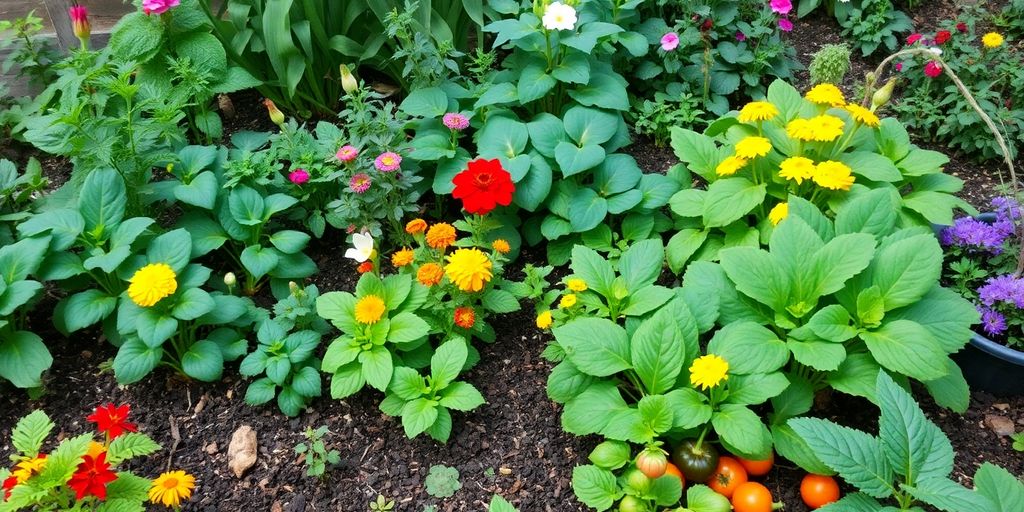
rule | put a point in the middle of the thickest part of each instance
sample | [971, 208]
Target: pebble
[242, 450]
[1001, 425]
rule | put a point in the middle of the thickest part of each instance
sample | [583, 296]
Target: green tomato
[638, 481]
[632, 504]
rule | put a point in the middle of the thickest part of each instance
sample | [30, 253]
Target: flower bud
[882, 95]
[229, 279]
[276, 116]
[348, 81]
[80, 23]
[293, 287]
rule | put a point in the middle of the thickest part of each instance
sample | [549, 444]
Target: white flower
[362, 247]
[558, 16]
[935, 50]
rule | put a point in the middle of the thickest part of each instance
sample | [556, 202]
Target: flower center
[483, 180]
[170, 483]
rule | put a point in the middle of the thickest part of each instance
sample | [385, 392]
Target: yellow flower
[778, 213]
[169, 489]
[501, 245]
[757, 111]
[797, 168]
[800, 129]
[27, 469]
[441, 235]
[576, 284]
[152, 283]
[833, 175]
[992, 40]
[429, 274]
[863, 115]
[370, 309]
[567, 301]
[416, 226]
[730, 165]
[402, 258]
[751, 147]
[469, 269]
[826, 94]
[825, 128]
[708, 371]
[95, 449]
[544, 320]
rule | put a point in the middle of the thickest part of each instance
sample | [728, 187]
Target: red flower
[92, 477]
[465, 317]
[364, 267]
[913, 38]
[961, 27]
[112, 420]
[942, 36]
[483, 185]
[8, 485]
[932, 69]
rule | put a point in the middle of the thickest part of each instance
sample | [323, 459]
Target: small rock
[276, 507]
[1001, 406]
[212, 448]
[242, 450]
[999, 424]
[505, 471]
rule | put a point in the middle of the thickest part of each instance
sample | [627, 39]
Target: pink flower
[359, 183]
[785, 25]
[158, 6]
[670, 41]
[932, 69]
[388, 161]
[899, 66]
[913, 38]
[298, 176]
[347, 153]
[781, 6]
[740, 36]
[455, 121]
[79, 21]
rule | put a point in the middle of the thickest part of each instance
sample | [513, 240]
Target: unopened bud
[882, 95]
[276, 116]
[80, 23]
[229, 279]
[293, 287]
[348, 80]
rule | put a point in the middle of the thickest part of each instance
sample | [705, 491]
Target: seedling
[442, 482]
[317, 455]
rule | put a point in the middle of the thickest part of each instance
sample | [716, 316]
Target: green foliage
[28, 54]
[909, 462]
[830, 64]
[874, 24]
[1018, 441]
[442, 481]
[656, 118]
[317, 456]
[16, 193]
[382, 504]
[288, 362]
[23, 354]
[499, 504]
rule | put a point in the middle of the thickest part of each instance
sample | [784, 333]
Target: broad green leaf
[945, 494]
[203, 361]
[915, 447]
[590, 411]
[565, 382]
[757, 275]
[377, 366]
[418, 415]
[742, 431]
[907, 348]
[1000, 486]
[590, 266]
[730, 199]
[873, 212]
[749, 348]
[86, 308]
[857, 457]
[907, 269]
[461, 397]
[596, 346]
[700, 498]
[821, 356]
[134, 360]
[657, 352]
[429, 102]
[23, 359]
[448, 361]
[102, 202]
[756, 388]
[595, 487]
[406, 327]
[690, 407]
[641, 264]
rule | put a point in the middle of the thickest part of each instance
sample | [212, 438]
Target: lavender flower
[993, 322]
[975, 235]
[1005, 288]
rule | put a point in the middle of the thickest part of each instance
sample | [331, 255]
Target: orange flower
[402, 258]
[364, 267]
[416, 226]
[465, 317]
[501, 245]
[441, 235]
[430, 274]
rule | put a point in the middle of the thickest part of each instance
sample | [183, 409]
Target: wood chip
[1001, 425]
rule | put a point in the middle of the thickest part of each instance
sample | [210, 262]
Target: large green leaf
[742, 431]
[856, 456]
[907, 348]
[999, 486]
[657, 352]
[915, 447]
[729, 199]
[641, 264]
[592, 410]
[597, 346]
[595, 487]
[749, 348]
[448, 361]
[590, 266]
[23, 359]
[907, 269]
[102, 201]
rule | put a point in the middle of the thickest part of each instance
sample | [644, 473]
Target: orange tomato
[752, 497]
[727, 476]
[672, 469]
[758, 467]
[819, 490]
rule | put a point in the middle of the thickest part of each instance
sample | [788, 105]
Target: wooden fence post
[57, 10]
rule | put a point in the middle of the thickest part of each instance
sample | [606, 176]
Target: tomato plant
[758, 467]
[727, 476]
[819, 490]
[752, 497]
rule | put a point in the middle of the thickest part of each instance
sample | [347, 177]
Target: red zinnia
[112, 420]
[8, 485]
[913, 38]
[961, 27]
[932, 69]
[92, 477]
[942, 36]
[483, 185]
[465, 317]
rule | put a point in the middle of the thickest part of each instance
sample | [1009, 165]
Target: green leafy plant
[830, 64]
[499, 504]
[442, 481]
[656, 118]
[908, 463]
[288, 361]
[382, 504]
[1018, 441]
[23, 354]
[318, 458]
[27, 53]
[873, 24]
[16, 194]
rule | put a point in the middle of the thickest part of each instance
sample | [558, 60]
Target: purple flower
[993, 322]
[388, 161]
[785, 25]
[669, 41]
[1006, 288]
[740, 36]
[455, 121]
[359, 183]
[975, 235]
[781, 6]
[1006, 208]
[298, 176]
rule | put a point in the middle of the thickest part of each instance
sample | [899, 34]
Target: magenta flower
[781, 6]
[347, 153]
[785, 25]
[670, 41]
[298, 176]
[79, 21]
[388, 161]
[158, 6]
[740, 36]
[932, 69]
[359, 183]
[913, 38]
[899, 67]
[455, 121]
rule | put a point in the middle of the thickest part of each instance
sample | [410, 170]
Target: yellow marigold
[370, 309]
[544, 320]
[576, 284]
[778, 213]
[833, 175]
[416, 226]
[863, 115]
[403, 257]
[825, 128]
[441, 235]
[992, 40]
[501, 245]
[708, 371]
[468, 269]
[567, 301]
[730, 165]
[797, 168]
[800, 129]
[171, 488]
[429, 274]
[152, 283]
[826, 94]
[757, 111]
[751, 147]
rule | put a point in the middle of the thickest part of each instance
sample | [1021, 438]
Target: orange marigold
[403, 257]
[501, 245]
[416, 226]
[429, 274]
[441, 235]
[465, 317]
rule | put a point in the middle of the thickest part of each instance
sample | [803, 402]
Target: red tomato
[727, 476]
[758, 467]
[752, 497]
[819, 490]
